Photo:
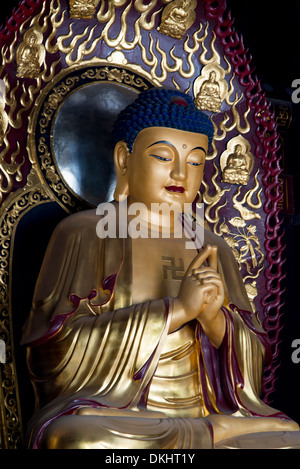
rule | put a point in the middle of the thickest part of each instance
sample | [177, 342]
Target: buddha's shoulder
[78, 222]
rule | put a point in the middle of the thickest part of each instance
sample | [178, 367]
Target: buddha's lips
[179, 189]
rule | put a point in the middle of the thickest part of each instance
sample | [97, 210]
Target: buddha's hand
[201, 296]
[211, 317]
[208, 275]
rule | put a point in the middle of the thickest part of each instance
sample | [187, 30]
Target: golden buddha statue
[122, 356]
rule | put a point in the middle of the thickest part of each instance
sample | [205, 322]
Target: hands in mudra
[201, 296]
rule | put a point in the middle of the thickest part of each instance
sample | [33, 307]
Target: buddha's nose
[179, 170]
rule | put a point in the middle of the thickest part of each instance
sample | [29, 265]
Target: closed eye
[161, 158]
[194, 164]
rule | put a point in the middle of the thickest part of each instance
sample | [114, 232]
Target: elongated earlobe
[121, 154]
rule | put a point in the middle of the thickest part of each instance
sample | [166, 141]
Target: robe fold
[89, 347]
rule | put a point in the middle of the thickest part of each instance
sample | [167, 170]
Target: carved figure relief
[209, 96]
[30, 54]
[236, 162]
[211, 89]
[83, 8]
[177, 17]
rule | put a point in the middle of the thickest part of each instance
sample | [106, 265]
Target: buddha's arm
[112, 352]
[73, 318]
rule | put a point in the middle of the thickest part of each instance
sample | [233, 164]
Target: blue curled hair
[160, 107]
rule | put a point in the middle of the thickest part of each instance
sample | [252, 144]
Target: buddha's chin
[174, 197]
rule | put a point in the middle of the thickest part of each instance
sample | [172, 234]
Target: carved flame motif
[3, 114]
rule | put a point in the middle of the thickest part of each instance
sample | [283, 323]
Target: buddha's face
[32, 40]
[238, 149]
[166, 165]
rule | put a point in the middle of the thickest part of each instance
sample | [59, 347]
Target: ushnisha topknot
[160, 107]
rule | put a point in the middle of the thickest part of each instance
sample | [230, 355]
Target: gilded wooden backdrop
[51, 49]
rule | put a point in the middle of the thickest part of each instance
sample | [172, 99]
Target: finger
[210, 277]
[213, 258]
[199, 259]
[205, 289]
[214, 283]
[205, 270]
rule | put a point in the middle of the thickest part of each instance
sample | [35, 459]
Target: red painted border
[19, 14]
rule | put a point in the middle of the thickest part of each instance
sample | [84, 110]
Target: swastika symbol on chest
[172, 268]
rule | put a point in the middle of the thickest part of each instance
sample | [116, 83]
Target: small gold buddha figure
[123, 356]
[177, 17]
[30, 55]
[83, 8]
[209, 98]
[236, 170]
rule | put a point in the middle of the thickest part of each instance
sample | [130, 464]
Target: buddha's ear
[121, 154]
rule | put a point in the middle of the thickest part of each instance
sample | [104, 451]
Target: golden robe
[90, 347]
